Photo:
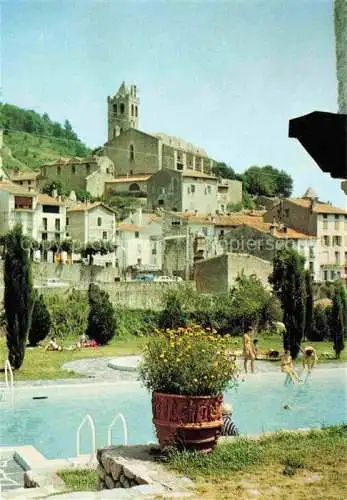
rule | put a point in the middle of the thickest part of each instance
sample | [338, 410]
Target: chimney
[195, 212]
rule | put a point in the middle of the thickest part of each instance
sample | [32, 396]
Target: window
[161, 202]
[29, 183]
[57, 224]
[67, 221]
[131, 152]
[325, 275]
[58, 170]
[73, 169]
[332, 275]
[337, 241]
[154, 251]
[208, 189]
[104, 235]
[134, 187]
[121, 108]
[44, 223]
[99, 221]
[136, 111]
[131, 172]
[21, 183]
[311, 252]
[50, 209]
[139, 261]
[192, 188]
[325, 216]
[132, 110]
[337, 258]
[311, 266]
[117, 233]
[44, 237]
[115, 108]
[136, 234]
[57, 236]
[175, 223]
[345, 258]
[326, 240]
[204, 231]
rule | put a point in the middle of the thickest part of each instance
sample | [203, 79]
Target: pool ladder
[9, 383]
[88, 419]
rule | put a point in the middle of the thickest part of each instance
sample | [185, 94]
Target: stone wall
[218, 274]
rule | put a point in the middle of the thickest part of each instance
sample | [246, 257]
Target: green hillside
[31, 139]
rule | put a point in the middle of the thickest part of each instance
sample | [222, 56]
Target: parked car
[168, 279]
[145, 277]
[52, 282]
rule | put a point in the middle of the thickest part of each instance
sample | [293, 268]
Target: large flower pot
[190, 422]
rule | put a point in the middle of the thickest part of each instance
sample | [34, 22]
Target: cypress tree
[288, 281]
[18, 295]
[338, 319]
[40, 321]
[101, 318]
[308, 304]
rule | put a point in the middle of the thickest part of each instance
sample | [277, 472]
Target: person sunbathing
[53, 346]
[287, 366]
[229, 428]
[310, 358]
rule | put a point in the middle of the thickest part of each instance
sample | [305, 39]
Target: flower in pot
[187, 371]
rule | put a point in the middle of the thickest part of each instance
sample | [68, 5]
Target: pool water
[50, 424]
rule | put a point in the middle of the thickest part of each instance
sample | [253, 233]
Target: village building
[90, 222]
[42, 217]
[29, 180]
[328, 224]
[133, 186]
[79, 174]
[139, 244]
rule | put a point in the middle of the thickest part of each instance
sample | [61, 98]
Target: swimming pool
[50, 424]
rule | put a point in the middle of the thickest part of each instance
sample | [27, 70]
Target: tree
[223, 170]
[288, 281]
[18, 295]
[267, 181]
[40, 321]
[339, 320]
[172, 316]
[308, 304]
[50, 187]
[101, 318]
[320, 325]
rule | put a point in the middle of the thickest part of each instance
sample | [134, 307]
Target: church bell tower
[123, 111]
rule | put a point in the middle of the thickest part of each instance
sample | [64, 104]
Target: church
[135, 152]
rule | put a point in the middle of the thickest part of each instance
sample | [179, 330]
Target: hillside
[31, 139]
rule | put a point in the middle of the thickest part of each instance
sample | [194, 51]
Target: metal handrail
[89, 419]
[8, 369]
[125, 429]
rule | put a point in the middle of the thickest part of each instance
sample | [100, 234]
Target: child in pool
[287, 366]
[310, 358]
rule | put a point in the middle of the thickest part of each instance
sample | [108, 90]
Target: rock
[126, 483]
[100, 484]
[115, 470]
[109, 482]
[143, 479]
[30, 481]
[101, 472]
[128, 472]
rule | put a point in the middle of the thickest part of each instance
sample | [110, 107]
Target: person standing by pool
[248, 348]
[310, 358]
[287, 366]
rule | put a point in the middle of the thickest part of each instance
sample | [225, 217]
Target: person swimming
[310, 358]
[287, 366]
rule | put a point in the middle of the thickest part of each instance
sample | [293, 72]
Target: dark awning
[324, 136]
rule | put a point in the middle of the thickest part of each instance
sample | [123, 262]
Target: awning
[324, 136]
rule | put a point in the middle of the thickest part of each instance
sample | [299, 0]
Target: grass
[284, 465]
[79, 480]
[41, 365]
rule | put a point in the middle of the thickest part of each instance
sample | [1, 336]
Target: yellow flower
[161, 356]
[195, 380]
[165, 360]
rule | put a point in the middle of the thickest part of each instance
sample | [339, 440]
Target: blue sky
[226, 75]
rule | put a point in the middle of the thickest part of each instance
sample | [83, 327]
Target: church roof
[310, 193]
[177, 143]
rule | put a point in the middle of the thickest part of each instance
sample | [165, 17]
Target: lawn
[300, 466]
[282, 466]
[39, 364]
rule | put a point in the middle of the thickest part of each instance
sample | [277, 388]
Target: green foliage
[288, 281]
[79, 479]
[187, 361]
[267, 181]
[320, 324]
[92, 248]
[101, 317]
[124, 205]
[18, 295]
[136, 322]
[68, 313]
[40, 322]
[339, 319]
[173, 315]
[84, 196]
[224, 171]
[292, 463]
[34, 139]
[49, 187]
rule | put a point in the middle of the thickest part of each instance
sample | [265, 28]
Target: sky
[226, 75]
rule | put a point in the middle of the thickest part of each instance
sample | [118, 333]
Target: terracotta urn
[187, 422]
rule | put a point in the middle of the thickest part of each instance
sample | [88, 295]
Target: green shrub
[187, 361]
[101, 317]
[68, 312]
[136, 322]
[40, 321]
[173, 315]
